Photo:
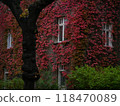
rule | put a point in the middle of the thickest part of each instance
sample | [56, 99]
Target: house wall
[85, 43]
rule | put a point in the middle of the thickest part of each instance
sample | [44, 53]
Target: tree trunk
[30, 70]
[29, 29]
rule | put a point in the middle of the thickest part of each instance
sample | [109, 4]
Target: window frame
[61, 24]
[60, 70]
[5, 74]
[108, 37]
[9, 41]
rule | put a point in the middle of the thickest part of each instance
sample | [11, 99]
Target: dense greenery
[16, 83]
[46, 82]
[95, 78]
[85, 78]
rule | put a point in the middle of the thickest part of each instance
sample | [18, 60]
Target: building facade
[70, 33]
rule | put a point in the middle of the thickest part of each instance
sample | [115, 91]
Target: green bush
[16, 83]
[89, 78]
[46, 82]
[1, 84]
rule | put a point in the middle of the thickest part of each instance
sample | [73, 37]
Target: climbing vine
[84, 44]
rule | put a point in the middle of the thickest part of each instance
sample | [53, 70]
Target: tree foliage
[90, 78]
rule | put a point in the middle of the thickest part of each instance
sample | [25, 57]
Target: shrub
[16, 83]
[1, 84]
[46, 82]
[89, 78]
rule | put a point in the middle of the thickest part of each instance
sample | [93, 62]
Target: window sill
[62, 87]
[62, 42]
[61, 70]
[10, 48]
[108, 46]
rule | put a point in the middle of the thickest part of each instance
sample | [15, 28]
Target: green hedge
[16, 83]
[46, 82]
[86, 78]
[90, 78]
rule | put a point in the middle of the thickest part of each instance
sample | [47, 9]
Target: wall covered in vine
[84, 44]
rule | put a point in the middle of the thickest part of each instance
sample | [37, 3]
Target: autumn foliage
[84, 42]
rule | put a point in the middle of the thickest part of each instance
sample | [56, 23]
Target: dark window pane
[107, 38]
[107, 26]
[103, 26]
[65, 33]
[60, 33]
[62, 79]
[104, 32]
[61, 20]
